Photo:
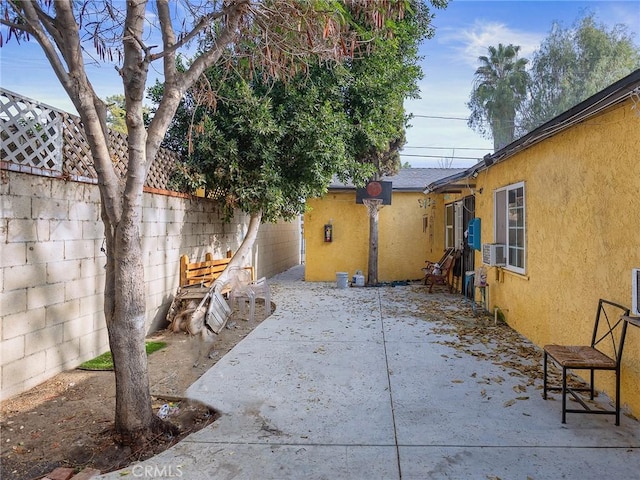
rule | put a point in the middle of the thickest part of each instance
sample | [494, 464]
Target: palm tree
[500, 86]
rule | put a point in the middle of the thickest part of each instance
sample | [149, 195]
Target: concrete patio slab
[387, 383]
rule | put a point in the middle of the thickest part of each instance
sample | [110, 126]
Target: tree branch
[207, 59]
[47, 21]
[170, 45]
[34, 27]
[64, 30]
[176, 85]
[168, 41]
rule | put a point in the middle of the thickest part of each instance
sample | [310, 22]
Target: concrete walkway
[387, 383]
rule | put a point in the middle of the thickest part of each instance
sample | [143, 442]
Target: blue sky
[464, 30]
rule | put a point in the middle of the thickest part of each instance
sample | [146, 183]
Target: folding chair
[604, 353]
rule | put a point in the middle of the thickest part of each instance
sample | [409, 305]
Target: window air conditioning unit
[635, 291]
[494, 254]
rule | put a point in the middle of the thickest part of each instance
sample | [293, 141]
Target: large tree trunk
[125, 303]
[373, 206]
[372, 275]
[125, 318]
[239, 258]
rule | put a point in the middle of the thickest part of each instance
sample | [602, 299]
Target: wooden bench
[205, 273]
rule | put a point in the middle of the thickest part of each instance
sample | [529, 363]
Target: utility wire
[448, 148]
[439, 156]
[440, 117]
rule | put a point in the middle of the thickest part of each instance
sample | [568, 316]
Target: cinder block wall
[52, 267]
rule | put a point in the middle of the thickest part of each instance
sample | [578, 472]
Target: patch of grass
[105, 362]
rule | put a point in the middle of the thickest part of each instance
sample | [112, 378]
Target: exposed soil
[68, 420]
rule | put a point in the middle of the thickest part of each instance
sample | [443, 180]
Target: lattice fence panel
[162, 168]
[43, 137]
[31, 132]
[76, 151]
[119, 152]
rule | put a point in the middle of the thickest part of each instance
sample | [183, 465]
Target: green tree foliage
[116, 113]
[378, 86]
[574, 63]
[267, 146]
[499, 89]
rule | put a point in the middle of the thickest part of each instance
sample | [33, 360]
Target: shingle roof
[407, 179]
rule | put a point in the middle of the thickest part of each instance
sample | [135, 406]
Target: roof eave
[449, 185]
[616, 93]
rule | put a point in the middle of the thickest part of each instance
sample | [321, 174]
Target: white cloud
[471, 42]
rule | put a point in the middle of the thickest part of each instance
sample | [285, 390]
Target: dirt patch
[68, 420]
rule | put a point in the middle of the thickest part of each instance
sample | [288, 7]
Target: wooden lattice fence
[37, 137]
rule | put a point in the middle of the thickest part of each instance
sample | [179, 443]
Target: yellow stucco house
[564, 201]
[405, 229]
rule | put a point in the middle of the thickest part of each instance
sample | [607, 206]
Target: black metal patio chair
[603, 353]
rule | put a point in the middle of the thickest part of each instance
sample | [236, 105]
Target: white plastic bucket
[342, 279]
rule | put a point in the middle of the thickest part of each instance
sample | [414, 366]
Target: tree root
[159, 431]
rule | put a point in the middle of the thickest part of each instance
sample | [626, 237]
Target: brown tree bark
[373, 207]
[240, 256]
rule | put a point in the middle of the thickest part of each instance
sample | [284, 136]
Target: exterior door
[468, 254]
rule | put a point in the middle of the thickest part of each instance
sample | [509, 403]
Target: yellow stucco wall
[402, 242]
[582, 197]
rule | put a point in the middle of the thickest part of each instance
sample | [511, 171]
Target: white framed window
[454, 235]
[510, 225]
[449, 226]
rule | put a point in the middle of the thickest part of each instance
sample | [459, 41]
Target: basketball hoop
[372, 204]
[375, 190]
